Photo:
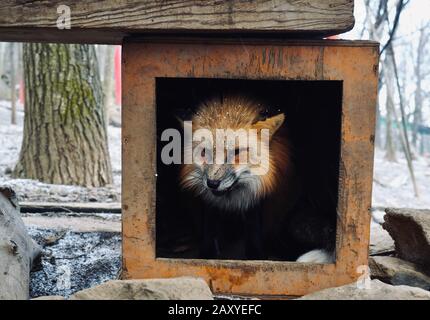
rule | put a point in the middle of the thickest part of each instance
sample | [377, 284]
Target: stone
[377, 290]
[183, 288]
[380, 240]
[410, 230]
[17, 249]
[50, 298]
[396, 271]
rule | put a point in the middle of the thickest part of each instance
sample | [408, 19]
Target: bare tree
[378, 17]
[401, 4]
[390, 148]
[420, 74]
[378, 24]
[404, 139]
[374, 23]
[12, 80]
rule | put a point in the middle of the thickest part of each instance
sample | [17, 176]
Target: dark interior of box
[313, 118]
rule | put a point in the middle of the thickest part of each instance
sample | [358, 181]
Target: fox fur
[249, 188]
[269, 204]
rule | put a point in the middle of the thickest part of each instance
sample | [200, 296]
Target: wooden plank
[109, 21]
[32, 207]
[73, 223]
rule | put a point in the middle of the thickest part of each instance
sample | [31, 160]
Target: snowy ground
[392, 185]
[32, 190]
[72, 261]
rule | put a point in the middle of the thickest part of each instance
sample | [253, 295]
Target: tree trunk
[403, 132]
[418, 94]
[378, 129]
[13, 70]
[65, 138]
[390, 148]
[417, 113]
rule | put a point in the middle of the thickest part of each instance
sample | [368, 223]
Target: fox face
[236, 174]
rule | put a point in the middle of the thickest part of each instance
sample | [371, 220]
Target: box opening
[312, 124]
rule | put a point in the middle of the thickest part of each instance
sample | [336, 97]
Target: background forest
[402, 27]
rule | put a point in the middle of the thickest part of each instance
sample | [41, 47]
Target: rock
[50, 298]
[184, 288]
[17, 249]
[410, 230]
[380, 240]
[377, 291]
[398, 272]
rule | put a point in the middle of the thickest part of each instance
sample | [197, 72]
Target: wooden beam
[109, 21]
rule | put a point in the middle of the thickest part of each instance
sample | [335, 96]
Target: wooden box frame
[353, 62]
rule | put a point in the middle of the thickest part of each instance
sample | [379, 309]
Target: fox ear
[272, 123]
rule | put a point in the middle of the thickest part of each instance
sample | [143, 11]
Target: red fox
[266, 195]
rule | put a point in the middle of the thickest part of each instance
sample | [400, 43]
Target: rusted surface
[351, 62]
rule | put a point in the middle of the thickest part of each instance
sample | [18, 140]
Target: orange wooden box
[355, 63]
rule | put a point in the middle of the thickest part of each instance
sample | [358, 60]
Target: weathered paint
[352, 62]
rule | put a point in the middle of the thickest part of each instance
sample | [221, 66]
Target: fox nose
[213, 184]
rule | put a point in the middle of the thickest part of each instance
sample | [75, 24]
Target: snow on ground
[392, 185]
[72, 261]
[10, 138]
[33, 190]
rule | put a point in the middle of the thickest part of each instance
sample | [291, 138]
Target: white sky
[415, 15]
